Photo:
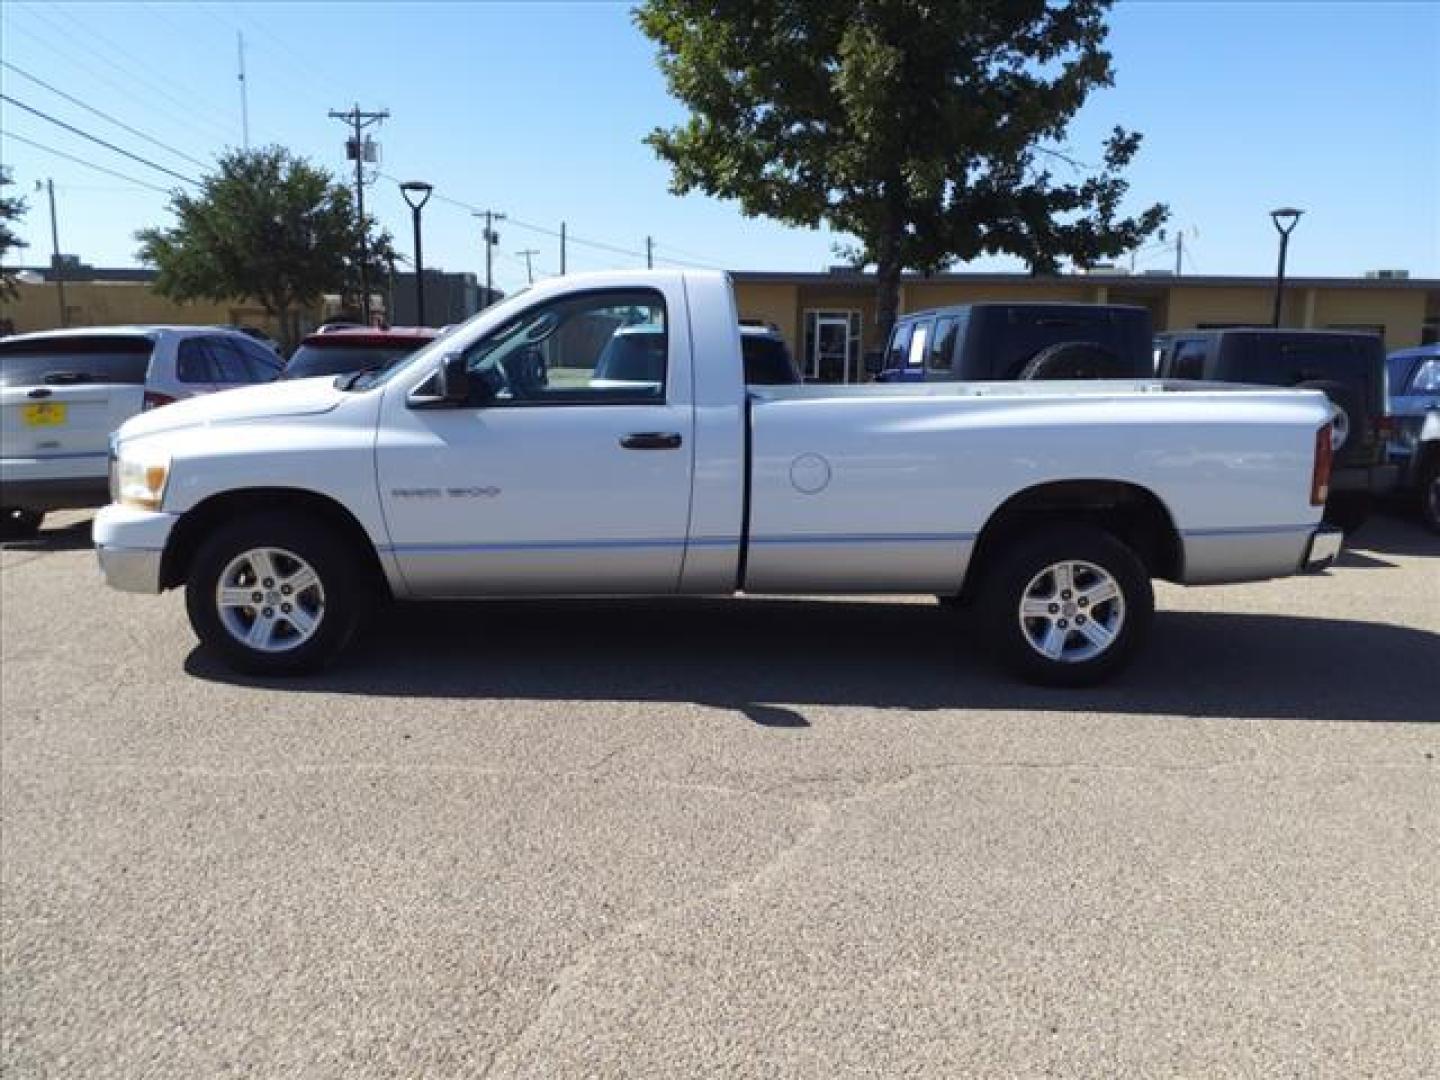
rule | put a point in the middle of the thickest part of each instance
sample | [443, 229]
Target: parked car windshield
[58, 361]
[337, 358]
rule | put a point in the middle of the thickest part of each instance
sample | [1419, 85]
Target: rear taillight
[154, 400]
[1324, 458]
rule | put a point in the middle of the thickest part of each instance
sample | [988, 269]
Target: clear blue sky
[539, 109]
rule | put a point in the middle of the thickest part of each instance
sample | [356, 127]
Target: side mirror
[454, 379]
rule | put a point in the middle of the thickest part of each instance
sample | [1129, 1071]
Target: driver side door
[553, 480]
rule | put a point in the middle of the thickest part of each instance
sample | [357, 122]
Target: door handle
[651, 440]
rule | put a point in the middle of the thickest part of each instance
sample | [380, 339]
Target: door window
[227, 362]
[603, 348]
[899, 346]
[262, 364]
[942, 345]
[915, 357]
[1189, 361]
[1427, 379]
[192, 362]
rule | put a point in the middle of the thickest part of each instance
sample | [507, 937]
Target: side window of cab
[895, 352]
[607, 347]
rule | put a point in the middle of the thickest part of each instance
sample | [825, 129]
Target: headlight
[140, 477]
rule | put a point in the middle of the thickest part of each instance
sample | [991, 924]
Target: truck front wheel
[273, 594]
[1067, 607]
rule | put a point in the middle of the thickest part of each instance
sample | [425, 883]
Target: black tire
[348, 593]
[1349, 510]
[1430, 493]
[19, 524]
[1349, 403]
[1076, 360]
[1012, 575]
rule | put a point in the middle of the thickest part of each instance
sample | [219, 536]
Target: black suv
[1003, 341]
[1348, 367]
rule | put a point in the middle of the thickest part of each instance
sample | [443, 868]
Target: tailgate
[61, 396]
[64, 421]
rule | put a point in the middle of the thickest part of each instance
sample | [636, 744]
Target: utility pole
[491, 238]
[1179, 250]
[57, 267]
[244, 93]
[649, 253]
[529, 274]
[562, 249]
[359, 148]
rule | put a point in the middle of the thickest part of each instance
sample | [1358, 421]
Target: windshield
[61, 360]
[338, 359]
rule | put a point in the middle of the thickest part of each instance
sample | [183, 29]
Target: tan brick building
[1405, 312]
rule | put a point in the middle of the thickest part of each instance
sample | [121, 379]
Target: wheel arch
[1131, 513]
[205, 517]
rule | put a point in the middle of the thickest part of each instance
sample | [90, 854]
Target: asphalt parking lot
[750, 838]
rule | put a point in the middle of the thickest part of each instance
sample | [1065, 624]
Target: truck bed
[890, 484]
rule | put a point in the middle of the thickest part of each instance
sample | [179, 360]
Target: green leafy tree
[12, 209]
[266, 225]
[930, 131]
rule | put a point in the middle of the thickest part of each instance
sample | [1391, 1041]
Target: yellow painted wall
[1190, 308]
[1401, 312]
[773, 304]
[920, 295]
[94, 303]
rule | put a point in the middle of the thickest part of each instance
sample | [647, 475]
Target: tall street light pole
[417, 194]
[1285, 219]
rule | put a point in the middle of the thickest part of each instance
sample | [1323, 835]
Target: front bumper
[130, 545]
[1323, 549]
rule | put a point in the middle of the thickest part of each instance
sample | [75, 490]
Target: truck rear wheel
[1068, 607]
[272, 594]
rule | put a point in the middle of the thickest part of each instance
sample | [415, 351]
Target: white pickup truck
[496, 463]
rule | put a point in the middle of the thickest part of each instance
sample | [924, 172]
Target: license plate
[45, 414]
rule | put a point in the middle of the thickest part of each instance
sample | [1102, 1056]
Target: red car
[341, 352]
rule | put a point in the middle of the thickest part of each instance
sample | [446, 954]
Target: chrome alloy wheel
[1072, 612]
[270, 599]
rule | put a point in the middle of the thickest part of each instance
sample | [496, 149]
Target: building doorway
[832, 341]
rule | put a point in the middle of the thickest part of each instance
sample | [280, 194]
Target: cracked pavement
[744, 838]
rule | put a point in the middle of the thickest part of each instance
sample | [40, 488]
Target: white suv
[62, 393]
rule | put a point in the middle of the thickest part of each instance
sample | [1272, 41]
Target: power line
[104, 116]
[170, 114]
[82, 161]
[569, 237]
[97, 139]
[132, 73]
[704, 260]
